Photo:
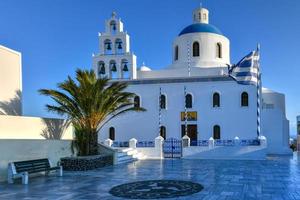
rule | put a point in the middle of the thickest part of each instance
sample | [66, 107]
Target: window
[219, 50]
[217, 132]
[196, 49]
[163, 132]
[176, 53]
[136, 102]
[216, 100]
[163, 101]
[101, 68]
[244, 99]
[112, 133]
[188, 101]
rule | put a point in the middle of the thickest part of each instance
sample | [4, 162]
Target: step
[139, 156]
[132, 152]
[122, 154]
[130, 159]
[124, 149]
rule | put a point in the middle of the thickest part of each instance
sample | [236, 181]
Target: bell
[114, 68]
[108, 46]
[125, 68]
[102, 71]
[119, 45]
[114, 27]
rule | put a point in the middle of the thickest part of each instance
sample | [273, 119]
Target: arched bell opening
[119, 49]
[113, 69]
[125, 69]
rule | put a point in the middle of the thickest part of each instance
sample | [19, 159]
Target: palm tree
[89, 103]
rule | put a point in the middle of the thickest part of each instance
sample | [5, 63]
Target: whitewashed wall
[274, 124]
[182, 72]
[10, 81]
[276, 129]
[228, 152]
[208, 55]
[18, 150]
[233, 119]
[20, 127]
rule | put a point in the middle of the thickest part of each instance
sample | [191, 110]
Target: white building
[10, 81]
[196, 85]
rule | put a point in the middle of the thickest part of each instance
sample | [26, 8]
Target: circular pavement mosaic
[156, 189]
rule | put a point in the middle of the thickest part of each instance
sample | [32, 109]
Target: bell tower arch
[114, 52]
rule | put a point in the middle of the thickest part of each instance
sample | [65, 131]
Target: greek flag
[246, 70]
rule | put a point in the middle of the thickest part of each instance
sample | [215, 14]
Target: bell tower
[114, 60]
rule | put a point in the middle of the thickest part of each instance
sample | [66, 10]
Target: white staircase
[126, 155]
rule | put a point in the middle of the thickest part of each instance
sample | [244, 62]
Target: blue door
[172, 148]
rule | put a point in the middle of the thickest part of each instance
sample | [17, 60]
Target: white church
[194, 96]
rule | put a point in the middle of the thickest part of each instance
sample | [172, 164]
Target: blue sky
[58, 36]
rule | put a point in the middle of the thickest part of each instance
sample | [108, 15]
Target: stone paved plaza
[275, 178]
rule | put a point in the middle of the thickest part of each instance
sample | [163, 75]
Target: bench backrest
[32, 166]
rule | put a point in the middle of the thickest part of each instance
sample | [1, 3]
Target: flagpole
[185, 112]
[259, 90]
[189, 58]
[159, 112]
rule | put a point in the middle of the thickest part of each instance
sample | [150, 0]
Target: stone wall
[86, 163]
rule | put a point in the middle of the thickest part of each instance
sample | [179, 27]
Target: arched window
[219, 50]
[112, 133]
[216, 100]
[188, 101]
[136, 102]
[176, 53]
[217, 132]
[107, 46]
[244, 99]
[101, 68]
[113, 69]
[125, 69]
[113, 26]
[163, 101]
[163, 132]
[196, 49]
[119, 46]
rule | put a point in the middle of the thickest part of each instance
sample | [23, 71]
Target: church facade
[193, 96]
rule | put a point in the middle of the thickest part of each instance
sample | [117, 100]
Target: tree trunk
[93, 142]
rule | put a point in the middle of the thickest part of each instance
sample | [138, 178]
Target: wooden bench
[22, 169]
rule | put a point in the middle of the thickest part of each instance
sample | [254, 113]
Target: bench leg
[60, 171]
[25, 178]
[10, 178]
[10, 173]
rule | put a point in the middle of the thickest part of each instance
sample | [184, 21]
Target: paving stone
[275, 178]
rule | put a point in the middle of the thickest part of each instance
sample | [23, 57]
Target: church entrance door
[191, 132]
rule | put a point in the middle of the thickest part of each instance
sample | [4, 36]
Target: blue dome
[199, 28]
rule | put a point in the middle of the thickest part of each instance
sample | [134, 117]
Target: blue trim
[199, 28]
[241, 74]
